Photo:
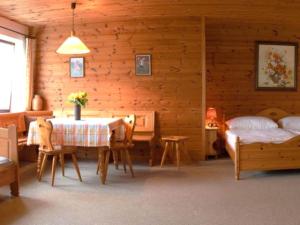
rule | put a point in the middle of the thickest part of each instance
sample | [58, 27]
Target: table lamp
[211, 117]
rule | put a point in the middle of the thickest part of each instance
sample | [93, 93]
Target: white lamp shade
[72, 45]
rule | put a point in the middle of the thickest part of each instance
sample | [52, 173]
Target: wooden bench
[9, 163]
[21, 120]
[144, 129]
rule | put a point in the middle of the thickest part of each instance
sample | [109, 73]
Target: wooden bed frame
[262, 156]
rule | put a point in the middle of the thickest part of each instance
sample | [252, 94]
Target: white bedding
[294, 131]
[275, 135]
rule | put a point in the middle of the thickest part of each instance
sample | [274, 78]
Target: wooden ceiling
[45, 12]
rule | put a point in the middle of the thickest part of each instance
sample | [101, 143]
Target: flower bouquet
[79, 99]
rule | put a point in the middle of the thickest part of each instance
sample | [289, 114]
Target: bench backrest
[145, 120]
[38, 113]
[31, 116]
[17, 119]
[84, 113]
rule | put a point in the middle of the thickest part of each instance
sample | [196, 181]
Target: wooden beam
[203, 62]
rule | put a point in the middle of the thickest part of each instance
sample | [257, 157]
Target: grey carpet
[204, 194]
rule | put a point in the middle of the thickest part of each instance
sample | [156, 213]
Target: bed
[282, 152]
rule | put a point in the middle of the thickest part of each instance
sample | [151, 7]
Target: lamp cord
[73, 6]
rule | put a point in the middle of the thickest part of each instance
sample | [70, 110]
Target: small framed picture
[276, 64]
[143, 65]
[77, 67]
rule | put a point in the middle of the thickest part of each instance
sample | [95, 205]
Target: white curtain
[18, 95]
[30, 67]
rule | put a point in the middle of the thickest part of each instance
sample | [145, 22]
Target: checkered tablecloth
[90, 132]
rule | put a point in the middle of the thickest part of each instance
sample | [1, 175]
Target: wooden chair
[9, 163]
[144, 131]
[46, 149]
[124, 146]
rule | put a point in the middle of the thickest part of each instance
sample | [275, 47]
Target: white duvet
[294, 131]
[275, 135]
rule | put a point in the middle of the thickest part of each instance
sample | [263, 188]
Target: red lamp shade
[211, 117]
[211, 114]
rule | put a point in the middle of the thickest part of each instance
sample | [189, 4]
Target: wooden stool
[174, 142]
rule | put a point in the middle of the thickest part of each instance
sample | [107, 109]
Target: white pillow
[251, 123]
[290, 122]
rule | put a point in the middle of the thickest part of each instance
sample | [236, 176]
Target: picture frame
[143, 65]
[77, 67]
[276, 66]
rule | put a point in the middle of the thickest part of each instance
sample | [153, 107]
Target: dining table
[87, 132]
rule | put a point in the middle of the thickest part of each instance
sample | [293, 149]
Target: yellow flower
[79, 98]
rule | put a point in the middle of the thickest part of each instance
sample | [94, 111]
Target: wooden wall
[173, 91]
[231, 67]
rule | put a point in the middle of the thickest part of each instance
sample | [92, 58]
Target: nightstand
[211, 137]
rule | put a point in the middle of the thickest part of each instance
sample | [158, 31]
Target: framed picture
[276, 66]
[143, 64]
[77, 67]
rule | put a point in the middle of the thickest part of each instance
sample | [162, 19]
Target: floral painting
[276, 66]
[77, 67]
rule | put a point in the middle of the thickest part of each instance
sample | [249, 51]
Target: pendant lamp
[73, 45]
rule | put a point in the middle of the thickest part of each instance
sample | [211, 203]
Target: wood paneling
[43, 12]
[174, 90]
[231, 67]
[11, 25]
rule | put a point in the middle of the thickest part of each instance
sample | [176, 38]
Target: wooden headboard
[273, 113]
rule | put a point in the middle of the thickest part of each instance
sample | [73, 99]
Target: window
[12, 74]
[7, 51]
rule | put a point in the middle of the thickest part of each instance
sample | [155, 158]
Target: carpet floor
[203, 194]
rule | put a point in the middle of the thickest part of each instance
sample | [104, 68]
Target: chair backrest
[8, 143]
[45, 129]
[129, 123]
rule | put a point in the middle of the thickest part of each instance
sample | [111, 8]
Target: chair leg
[151, 160]
[116, 159]
[62, 163]
[177, 155]
[99, 162]
[44, 161]
[39, 164]
[106, 164]
[123, 157]
[74, 159]
[164, 154]
[14, 187]
[53, 168]
[129, 161]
